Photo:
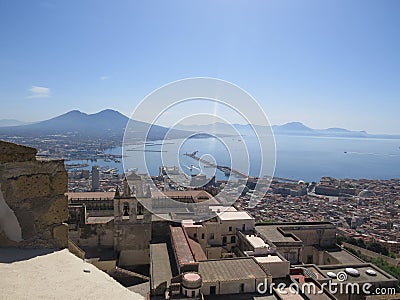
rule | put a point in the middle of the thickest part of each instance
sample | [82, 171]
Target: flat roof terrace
[234, 215]
[275, 235]
[344, 257]
[380, 275]
[231, 269]
[256, 242]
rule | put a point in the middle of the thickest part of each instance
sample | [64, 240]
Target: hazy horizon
[205, 123]
[324, 64]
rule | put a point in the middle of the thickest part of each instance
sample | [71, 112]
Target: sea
[305, 158]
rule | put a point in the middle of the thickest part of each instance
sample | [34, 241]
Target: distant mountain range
[11, 122]
[292, 128]
[106, 123]
[112, 123]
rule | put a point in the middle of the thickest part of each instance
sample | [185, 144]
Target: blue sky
[323, 63]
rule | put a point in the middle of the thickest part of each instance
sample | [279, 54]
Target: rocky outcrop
[33, 207]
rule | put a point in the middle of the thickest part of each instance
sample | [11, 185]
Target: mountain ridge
[290, 128]
[107, 122]
[113, 122]
[11, 122]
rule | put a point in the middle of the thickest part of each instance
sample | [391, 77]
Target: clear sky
[323, 63]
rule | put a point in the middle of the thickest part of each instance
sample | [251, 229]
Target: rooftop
[231, 269]
[256, 241]
[298, 224]
[344, 257]
[273, 234]
[90, 195]
[196, 249]
[234, 215]
[361, 268]
[268, 259]
[181, 246]
[197, 196]
[190, 223]
[221, 208]
[160, 270]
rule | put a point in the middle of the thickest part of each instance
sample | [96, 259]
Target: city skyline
[331, 64]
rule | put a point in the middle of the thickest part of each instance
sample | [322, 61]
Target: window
[211, 236]
[242, 287]
[202, 236]
[309, 259]
[139, 209]
[224, 240]
[126, 209]
[233, 239]
[193, 294]
[244, 227]
[230, 228]
[195, 235]
[213, 290]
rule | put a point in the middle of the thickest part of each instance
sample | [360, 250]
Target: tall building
[95, 178]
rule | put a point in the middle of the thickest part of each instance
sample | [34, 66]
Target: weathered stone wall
[32, 191]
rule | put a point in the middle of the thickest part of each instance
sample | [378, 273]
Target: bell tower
[132, 222]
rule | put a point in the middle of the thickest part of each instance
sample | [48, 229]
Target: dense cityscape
[296, 230]
[200, 150]
[363, 209]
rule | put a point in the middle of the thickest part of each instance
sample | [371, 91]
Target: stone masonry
[33, 205]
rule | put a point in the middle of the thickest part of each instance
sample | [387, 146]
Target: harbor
[226, 170]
